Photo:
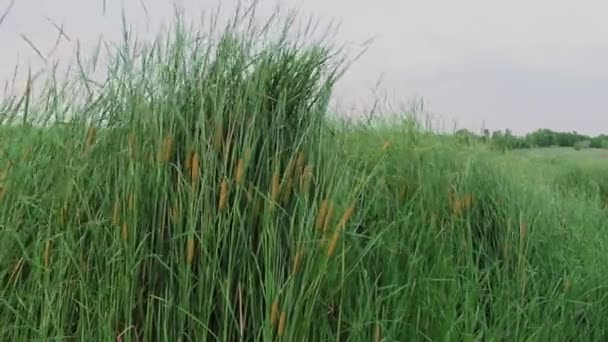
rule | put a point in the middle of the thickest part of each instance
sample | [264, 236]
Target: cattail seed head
[47, 254]
[275, 187]
[306, 177]
[346, 216]
[219, 137]
[194, 171]
[167, 150]
[274, 314]
[91, 135]
[223, 195]
[301, 161]
[131, 201]
[282, 323]
[190, 247]
[175, 214]
[333, 244]
[297, 260]
[240, 171]
[132, 145]
[320, 222]
[567, 285]
[124, 231]
[64, 213]
[116, 213]
[377, 333]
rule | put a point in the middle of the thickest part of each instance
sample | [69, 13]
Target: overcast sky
[509, 64]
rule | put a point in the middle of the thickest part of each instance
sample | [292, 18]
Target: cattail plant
[194, 169]
[91, 135]
[190, 248]
[274, 314]
[132, 145]
[125, 231]
[239, 171]
[377, 332]
[116, 213]
[297, 260]
[282, 323]
[47, 254]
[275, 187]
[166, 150]
[348, 213]
[223, 201]
[320, 221]
[328, 217]
[305, 180]
[218, 138]
[300, 164]
[333, 244]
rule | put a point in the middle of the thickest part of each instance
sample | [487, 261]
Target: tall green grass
[201, 193]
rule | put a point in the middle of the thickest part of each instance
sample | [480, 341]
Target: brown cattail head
[175, 214]
[194, 171]
[223, 201]
[47, 254]
[64, 213]
[240, 171]
[91, 135]
[306, 177]
[300, 162]
[333, 244]
[328, 217]
[116, 213]
[282, 323]
[131, 201]
[125, 231]
[275, 187]
[297, 260]
[219, 137]
[190, 248]
[166, 150]
[377, 333]
[320, 221]
[348, 213]
[250, 192]
[567, 284]
[274, 314]
[132, 145]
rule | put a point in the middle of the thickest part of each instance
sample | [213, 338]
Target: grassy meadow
[202, 193]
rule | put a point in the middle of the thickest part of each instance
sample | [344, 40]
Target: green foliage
[210, 201]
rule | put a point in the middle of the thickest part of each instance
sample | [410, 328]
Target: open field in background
[220, 203]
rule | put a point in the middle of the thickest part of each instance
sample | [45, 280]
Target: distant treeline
[540, 138]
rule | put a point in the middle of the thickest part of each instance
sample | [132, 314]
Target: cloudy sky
[509, 64]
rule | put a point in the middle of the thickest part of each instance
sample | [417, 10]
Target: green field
[219, 202]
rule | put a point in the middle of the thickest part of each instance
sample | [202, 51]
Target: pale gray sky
[516, 64]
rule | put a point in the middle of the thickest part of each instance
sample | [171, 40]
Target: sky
[477, 64]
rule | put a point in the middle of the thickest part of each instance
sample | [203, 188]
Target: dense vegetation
[201, 193]
[540, 138]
